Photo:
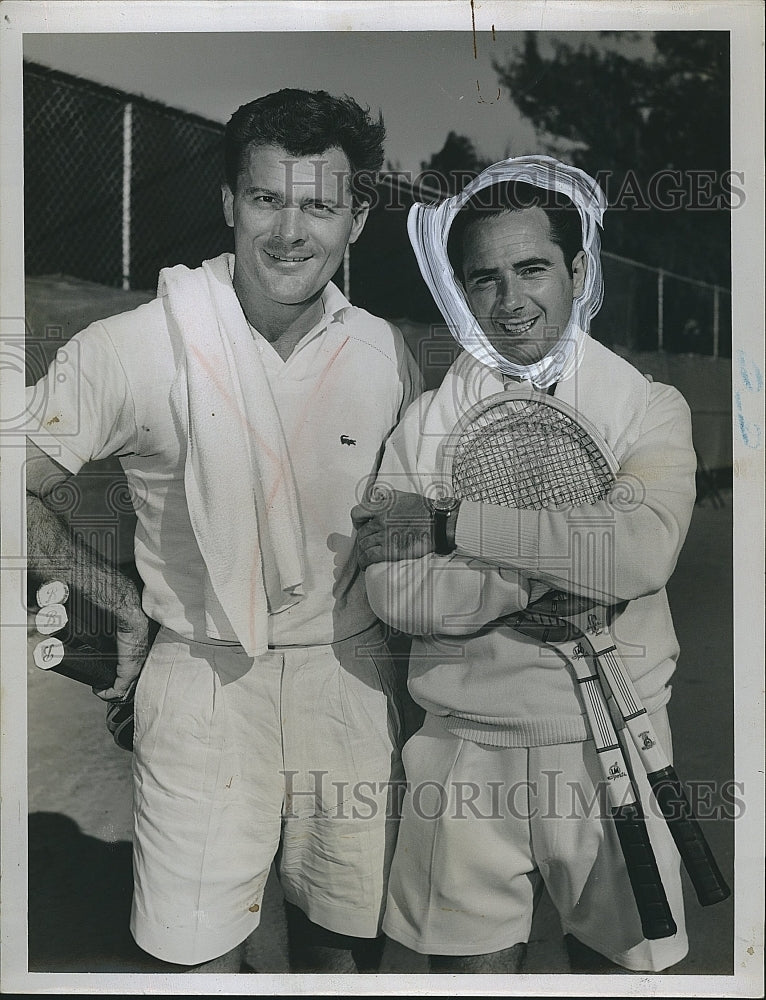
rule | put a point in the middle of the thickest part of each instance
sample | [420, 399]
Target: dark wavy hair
[304, 123]
[514, 196]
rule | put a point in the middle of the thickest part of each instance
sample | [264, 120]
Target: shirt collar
[335, 304]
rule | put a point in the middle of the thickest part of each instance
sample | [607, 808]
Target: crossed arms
[614, 551]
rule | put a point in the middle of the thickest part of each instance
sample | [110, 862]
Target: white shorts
[484, 827]
[235, 759]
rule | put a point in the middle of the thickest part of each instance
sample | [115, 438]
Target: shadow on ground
[80, 892]
[78, 924]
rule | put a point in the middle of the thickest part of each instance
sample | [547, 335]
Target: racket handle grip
[705, 876]
[96, 673]
[87, 665]
[645, 879]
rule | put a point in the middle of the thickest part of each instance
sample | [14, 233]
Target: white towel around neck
[238, 478]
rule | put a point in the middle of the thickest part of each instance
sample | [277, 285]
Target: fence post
[716, 320]
[660, 293]
[127, 169]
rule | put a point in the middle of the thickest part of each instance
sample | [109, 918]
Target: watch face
[445, 503]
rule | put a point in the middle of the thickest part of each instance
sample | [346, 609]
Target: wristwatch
[444, 511]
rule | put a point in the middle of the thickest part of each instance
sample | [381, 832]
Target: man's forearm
[54, 552]
[434, 595]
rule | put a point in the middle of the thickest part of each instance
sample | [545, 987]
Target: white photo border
[744, 21]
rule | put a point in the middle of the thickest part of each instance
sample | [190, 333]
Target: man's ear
[228, 204]
[359, 217]
[579, 270]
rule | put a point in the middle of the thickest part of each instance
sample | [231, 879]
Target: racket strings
[529, 456]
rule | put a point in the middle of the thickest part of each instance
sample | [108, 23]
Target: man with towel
[248, 405]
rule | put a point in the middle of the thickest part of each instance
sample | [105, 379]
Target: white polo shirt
[339, 395]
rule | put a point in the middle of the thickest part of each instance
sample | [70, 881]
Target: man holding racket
[239, 404]
[503, 777]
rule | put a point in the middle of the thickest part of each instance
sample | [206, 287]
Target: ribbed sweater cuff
[507, 535]
[519, 732]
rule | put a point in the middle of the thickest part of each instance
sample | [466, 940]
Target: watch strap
[444, 530]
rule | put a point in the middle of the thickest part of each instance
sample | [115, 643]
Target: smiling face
[292, 219]
[517, 283]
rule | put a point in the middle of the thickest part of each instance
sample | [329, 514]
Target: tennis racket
[590, 625]
[62, 645]
[66, 646]
[625, 806]
[524, 449]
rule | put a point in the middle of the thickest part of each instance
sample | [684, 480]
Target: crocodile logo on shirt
[345, 439]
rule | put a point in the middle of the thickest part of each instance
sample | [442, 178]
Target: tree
[455, 163]
[654, 130]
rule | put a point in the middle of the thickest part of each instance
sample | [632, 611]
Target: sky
[425, 83]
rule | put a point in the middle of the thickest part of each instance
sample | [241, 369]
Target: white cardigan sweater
[490, 684]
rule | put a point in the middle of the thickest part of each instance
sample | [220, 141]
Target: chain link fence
[649, 309]
[73, 176]
[116, 187]
[175, 211]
